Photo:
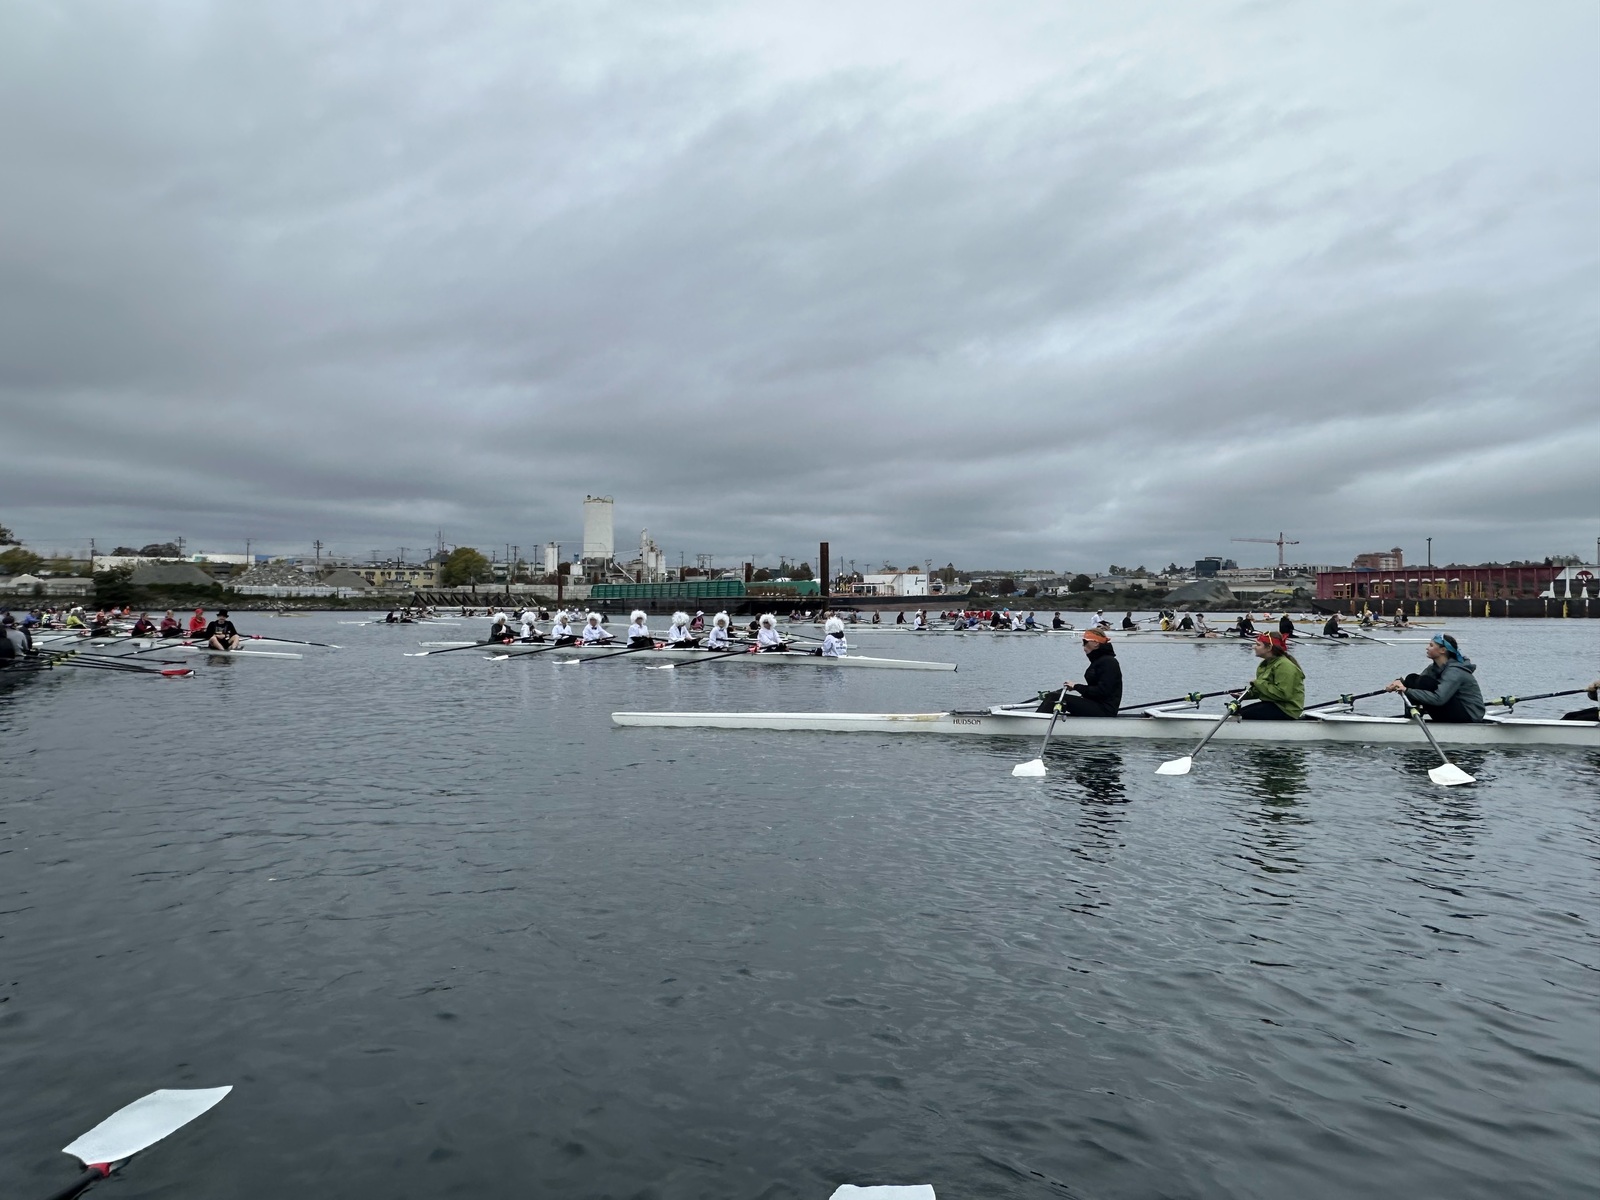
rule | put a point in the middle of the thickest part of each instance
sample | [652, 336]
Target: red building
[1436, 583]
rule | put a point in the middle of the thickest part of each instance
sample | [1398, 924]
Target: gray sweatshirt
[1454, 680]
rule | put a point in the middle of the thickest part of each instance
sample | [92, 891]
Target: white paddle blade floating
[144, 1123]
[1176, 766]
[1450, 775]
[882, 1191]
[1032, 769]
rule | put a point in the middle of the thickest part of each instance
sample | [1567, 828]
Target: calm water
[451, 934]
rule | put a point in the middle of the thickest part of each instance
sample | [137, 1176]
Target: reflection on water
[1278, 778]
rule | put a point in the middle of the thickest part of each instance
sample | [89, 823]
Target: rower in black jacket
[1100, 693]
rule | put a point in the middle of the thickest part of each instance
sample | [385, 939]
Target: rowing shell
[186, 648]
[1157, 725]
[769, 659]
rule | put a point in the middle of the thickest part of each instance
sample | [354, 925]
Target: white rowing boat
[769, 659]
[189, 648]
[1155, 725]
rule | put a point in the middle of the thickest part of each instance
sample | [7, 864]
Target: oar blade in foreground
[1032, 769]
[143, 1123]
[1450, 775]
[1176, 766]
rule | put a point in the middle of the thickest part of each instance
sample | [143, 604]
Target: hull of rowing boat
[186, 648]
[776, 659]
[1179, 727]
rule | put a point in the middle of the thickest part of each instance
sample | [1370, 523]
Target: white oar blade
[662, 667]
[1450, 775]
[143, 1123]
[1032, 769]
[1176, 766]
[882, 1191]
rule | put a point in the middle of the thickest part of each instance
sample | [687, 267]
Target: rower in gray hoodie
[1447, 691]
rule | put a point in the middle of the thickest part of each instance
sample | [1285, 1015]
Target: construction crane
[1280, 542]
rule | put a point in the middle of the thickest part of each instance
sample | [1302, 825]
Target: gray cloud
[1078, 288]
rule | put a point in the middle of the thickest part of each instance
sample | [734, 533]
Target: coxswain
[1187, 624]
[169, 626]
[595, 634]
[1128, 622]
[220, 634]
[699, 623]
[639, 631]
[679, 635]
[1245, 627]
[833, 643]
[767, 636]
[144, 626]
[717, 639]
[500, 629]
[1330, 627]
[1279, 688]
[1286, 626]
[1446, 690]
[1100, 692]
[1587, 714]
[561, 631]
[197, 622]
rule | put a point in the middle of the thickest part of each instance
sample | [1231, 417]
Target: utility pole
[402, 556]
[317, 546]
[180, 547]
[247, 559]
[1430, 554]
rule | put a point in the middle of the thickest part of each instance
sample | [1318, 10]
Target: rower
[1447, 689]
[1057, 623]
[393, 618]
[639, 631]
[561, 631]
[900, 620]
[197, 623]
[530, 631]
[220, 634]
[767, 636]
[1330, 627]
[1245, 627]
[169, 626]
[1201, 629]
[1279, 687]
[144, 626]
[699, 623]
[594, 634]
[876, 619]
[833, 643]
[1286, 626]
[1128, 622]
[679, 635]
[1400, 621]
[1587, 714]
[1100, 693]
[717, 639]
[919, 623]
[501, 630]
[1187, 624]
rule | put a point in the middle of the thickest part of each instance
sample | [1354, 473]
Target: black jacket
[1102, 680]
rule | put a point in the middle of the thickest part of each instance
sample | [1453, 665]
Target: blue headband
[1438, 639]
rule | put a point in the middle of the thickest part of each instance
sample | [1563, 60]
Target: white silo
[598, 539]
[552, 557]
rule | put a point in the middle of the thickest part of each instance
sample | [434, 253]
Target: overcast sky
[1046, 284]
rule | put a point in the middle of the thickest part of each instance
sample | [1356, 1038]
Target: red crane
[1280, 542]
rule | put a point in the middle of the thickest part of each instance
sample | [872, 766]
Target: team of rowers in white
[684, 633]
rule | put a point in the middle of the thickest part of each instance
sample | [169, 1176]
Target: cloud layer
[1072, 288]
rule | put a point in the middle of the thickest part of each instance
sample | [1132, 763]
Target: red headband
[1275, 640]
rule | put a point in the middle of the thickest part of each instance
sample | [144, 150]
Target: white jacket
[833, 646]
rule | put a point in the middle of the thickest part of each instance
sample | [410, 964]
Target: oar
[567, 662]
[136, 1127]
[1511, 702]
[1446, 774]
[453, 649]
[561, 645]
[256, 637]
[1191, 697]
[1034, 767]
[675, 666]
[1180, 766]
[1346, 699]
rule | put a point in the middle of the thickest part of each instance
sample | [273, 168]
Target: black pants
[1073, 705]
[1583, 714]
[1452, 712]
[1263, 710]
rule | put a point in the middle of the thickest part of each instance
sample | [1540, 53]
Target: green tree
[1005, 587]
[803, 571]
[1080, 583]
[947, 573]
[17, 561]
[762, 575]
[6, 536]
[464, 566]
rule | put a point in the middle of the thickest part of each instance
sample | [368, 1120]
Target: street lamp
[1430, 554]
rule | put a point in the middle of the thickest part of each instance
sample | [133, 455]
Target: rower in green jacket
[1279, 688]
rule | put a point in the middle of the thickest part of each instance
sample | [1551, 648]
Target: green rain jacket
[1280, 680]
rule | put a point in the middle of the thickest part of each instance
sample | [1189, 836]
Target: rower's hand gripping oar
[1180, 766]
[1446, 774]
[136, 1127]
